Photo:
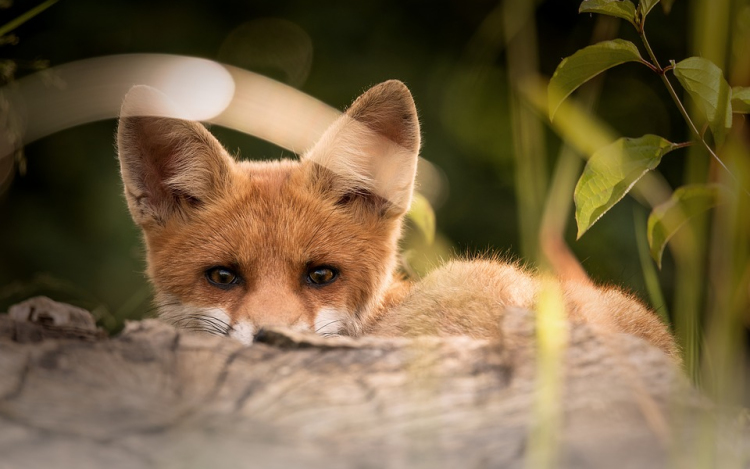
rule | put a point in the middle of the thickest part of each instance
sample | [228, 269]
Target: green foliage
[645, 7]
[621, 9]
[650, 275]
[685, 203]
[584, 65]
[741, 100]
[423, 216]
[611, 173]
[705, 83]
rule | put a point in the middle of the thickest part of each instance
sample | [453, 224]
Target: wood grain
[158, 397]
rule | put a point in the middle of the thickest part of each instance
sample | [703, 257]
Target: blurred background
[475, 68]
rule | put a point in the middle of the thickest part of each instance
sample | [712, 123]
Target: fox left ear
[374, 147]
[169, 166]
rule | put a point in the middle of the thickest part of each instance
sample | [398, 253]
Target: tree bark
[158, 397]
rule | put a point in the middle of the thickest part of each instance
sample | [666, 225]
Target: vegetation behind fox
[233, 246]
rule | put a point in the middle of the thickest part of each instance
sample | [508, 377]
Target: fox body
[233, 246]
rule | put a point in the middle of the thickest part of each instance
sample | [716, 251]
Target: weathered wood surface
[158, 397]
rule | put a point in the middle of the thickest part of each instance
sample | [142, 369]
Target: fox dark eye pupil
[322, 275]
[221, 276]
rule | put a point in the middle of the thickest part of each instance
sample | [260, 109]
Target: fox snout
[267, 307]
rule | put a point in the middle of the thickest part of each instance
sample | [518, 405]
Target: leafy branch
[613, 170]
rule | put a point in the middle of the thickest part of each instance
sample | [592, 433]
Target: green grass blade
[13, 24]
[650, 276]
[423, 216]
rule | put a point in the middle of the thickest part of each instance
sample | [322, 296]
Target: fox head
[233, 246]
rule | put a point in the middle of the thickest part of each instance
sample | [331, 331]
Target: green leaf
[667, 6]
[584, 65]
[705, 83]
[621, 9]
[685, 203]
[611, 172]
[741, 100]
[645, 6]
[423, 216]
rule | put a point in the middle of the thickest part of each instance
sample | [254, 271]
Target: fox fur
[275, 228]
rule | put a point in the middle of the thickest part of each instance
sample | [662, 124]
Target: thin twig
[662, 74]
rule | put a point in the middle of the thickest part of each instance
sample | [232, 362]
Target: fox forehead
[270, 220]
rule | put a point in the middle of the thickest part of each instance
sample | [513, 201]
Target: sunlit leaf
[624, 9]
[705, 83]
[667, 6]
[645, 6]
[741, 100]
[685, 203]
[611, 172]
[423, 216]
[584, 65]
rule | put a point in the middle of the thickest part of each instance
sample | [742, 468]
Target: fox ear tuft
[389, 110]
[169, 166]
[373, 147]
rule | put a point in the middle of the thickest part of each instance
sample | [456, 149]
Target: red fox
[233, 246]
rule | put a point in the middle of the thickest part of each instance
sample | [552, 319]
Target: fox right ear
[373, 147]
[169, 166]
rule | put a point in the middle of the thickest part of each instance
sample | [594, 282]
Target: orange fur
[340, 207]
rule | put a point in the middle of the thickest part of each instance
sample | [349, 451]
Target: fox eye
[322, 275]
[221, 277]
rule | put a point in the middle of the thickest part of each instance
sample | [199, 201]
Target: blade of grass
[566, 172]
[551, 344]
[528, 134]
[650, 277]
[14, 23]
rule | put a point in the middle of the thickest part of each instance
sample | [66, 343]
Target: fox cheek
[207, 319]
[330, 321]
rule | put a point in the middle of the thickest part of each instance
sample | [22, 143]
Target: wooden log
[158, 397]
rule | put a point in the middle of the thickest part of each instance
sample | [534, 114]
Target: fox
[234, 246]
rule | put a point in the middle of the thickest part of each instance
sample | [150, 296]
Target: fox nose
[248, 334]
[262, 337]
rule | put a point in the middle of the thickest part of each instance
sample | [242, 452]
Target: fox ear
[169, 166]
[373, 148]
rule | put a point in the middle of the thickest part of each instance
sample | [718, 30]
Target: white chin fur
[330, 321]
[244, 331]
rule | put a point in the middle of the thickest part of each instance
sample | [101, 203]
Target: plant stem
[662, 74]
[677, 146]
